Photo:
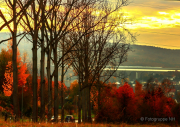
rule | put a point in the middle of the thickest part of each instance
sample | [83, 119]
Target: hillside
[153, 56]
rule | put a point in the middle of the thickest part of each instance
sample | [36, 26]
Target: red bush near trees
[117, 105]
[176, 112]
[123, 105]
[127, 103]
[109, 110]
[153, 103]
[159, 103]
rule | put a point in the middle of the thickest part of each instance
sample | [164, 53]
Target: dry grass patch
[29, 124]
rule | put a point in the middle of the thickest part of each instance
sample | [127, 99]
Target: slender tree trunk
[86, 78]
[34, 81]
[49, 87]
[87, 94]
[99, 95]
[79, 104]
[80, 94]
[34, 78]
[89, 105]
[86, 105]
[62, 91]
[83, 105]
[51, 96]
[56, 104]
[55, 85]
[14, 59]
[42, 71]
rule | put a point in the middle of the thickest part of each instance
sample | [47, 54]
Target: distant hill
[153, 56]
[140, 56]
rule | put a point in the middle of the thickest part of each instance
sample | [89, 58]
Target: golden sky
[157, 22]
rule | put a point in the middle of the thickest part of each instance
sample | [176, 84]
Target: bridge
[144, 68]
[133, 72]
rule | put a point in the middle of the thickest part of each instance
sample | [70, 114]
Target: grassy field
[29, 124]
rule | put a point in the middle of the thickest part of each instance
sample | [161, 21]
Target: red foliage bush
[123, 105]
[176, 112]
[117, 105]
[154, 103]
[108, 111]
[126, 103]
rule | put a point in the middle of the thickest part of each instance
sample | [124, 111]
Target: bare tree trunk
[86, 104]
[51, 96]
[34, 78]
[62, 91]
[99, 95]
[83, 105]
[87, 94]
[56, 104]
[86, 62]
[55, 85]
[89, 104]
[49, 86]
[80, 93]
[42, 70]
[79, 103]
[34, 81]
[14, 59]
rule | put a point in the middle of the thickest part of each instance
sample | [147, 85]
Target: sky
[155, 22]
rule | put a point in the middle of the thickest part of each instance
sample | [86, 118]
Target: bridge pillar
[136, 75]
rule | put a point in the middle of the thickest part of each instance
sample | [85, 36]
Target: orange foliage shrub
[22, 76]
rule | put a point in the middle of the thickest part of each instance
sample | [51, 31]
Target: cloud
[152, 18]
[165, 37]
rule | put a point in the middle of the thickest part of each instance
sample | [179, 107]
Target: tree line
[88, 35]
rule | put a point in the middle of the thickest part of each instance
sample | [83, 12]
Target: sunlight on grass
[29, 124]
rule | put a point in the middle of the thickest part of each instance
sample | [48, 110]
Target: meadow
[30, 124]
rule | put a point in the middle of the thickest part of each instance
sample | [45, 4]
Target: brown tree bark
[14, 59]
[42, 110]
[62, 81]
[34, 78]
[89, 105]
[34, 115]
[55, 85]
[79, 101]
[49, 85]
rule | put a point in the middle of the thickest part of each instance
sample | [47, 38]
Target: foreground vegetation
[30, 124]
[109, 103]
[27, 123]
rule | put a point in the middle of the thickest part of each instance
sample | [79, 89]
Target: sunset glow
[148, 18]
[104, 63]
